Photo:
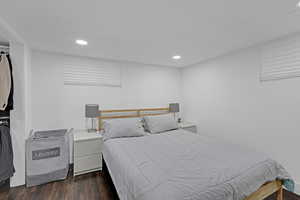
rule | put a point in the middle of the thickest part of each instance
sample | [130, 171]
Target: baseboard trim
[297, 188]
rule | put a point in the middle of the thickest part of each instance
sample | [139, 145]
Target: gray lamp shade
[91, 110]
[174, 107]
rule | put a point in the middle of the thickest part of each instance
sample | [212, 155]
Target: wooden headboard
[129, 113]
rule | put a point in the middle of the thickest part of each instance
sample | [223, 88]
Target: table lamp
[92, 113]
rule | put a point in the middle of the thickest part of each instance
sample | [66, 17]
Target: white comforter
[179, 165]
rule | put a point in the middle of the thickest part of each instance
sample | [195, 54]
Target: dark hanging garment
[6, 154]
[10, 102]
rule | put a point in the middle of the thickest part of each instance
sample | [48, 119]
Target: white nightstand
[87, 148]
[188, 126]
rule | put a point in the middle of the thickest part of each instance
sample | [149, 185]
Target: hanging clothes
[5, 81]
[6, 154]
[6, 104]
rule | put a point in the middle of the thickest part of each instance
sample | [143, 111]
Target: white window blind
[92, 75]
[281, 59]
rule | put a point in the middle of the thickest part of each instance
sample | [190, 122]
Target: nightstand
[188, 126]
[87, 152]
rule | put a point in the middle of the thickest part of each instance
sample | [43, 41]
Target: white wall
[226, 99]
[55, 105]
[18, 117]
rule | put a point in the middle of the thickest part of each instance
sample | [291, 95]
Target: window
[104, 74]
[281, 59]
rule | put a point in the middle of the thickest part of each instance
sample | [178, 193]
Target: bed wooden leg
[280, 194]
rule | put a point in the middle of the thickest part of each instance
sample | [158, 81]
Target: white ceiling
[151, 31]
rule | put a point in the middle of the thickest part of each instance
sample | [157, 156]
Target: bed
[180, 165]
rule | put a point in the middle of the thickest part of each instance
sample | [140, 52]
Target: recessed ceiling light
[176, 57]
[298, 4]
[81, 42]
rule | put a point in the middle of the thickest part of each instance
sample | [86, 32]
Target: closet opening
[7, 169]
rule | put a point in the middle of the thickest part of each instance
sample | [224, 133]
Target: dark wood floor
[93, 186]
[85, 187]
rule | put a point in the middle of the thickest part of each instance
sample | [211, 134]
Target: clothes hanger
[3, 52]
[4, 122]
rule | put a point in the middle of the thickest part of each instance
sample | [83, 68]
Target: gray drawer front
[87, 147]
[87, 163]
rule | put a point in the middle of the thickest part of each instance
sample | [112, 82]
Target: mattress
[180, 165]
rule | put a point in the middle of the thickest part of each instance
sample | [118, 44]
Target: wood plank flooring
[93, 186]
[90, 186]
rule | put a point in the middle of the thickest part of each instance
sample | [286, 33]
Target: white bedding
[179, 165]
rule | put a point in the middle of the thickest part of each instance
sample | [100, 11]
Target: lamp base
[92, 126]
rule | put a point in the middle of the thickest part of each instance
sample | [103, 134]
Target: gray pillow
[160, 123]
[118, 128]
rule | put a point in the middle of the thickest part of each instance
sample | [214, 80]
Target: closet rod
[4, 47]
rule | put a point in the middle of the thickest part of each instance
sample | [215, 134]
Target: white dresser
[87, 152]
